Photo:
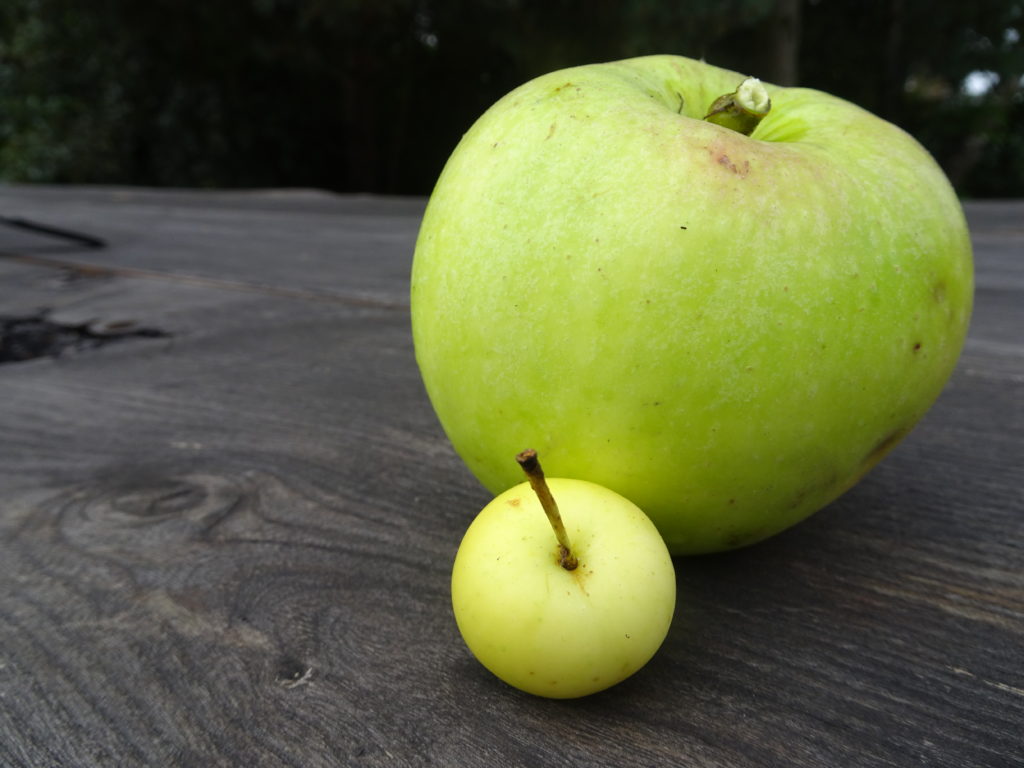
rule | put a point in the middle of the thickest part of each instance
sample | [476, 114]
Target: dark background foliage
[372, 95]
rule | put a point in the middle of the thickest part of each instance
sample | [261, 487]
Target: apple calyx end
[531, 466]
[743, 109]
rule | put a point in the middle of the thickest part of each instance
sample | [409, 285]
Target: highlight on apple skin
[728, 330]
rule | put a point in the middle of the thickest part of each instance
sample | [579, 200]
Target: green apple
[568, 608]
[729, 330]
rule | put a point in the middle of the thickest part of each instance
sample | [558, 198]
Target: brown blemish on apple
[917, 346]
[514, 502]
[875, 455]
[738, 539]
[719, 156]
[580, 574]
[813, 489]
[738, 170]
[883, 446]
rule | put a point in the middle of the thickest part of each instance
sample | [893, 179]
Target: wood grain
[231, 546]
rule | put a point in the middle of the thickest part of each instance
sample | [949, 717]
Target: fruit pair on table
[723, 300]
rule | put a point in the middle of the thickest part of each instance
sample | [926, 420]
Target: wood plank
[232, 545]
[303, 241]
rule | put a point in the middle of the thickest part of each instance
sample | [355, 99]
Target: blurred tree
[372, 95]
[909, 61]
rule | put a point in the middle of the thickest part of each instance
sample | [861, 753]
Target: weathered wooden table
[228, 516]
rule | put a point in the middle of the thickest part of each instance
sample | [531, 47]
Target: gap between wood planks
[216, 282]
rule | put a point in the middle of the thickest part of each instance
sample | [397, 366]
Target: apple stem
[742, 109]
[531, 466]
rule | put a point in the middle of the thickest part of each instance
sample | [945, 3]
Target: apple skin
[727, 330]
[554, 632]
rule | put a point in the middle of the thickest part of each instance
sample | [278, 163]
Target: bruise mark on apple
[939, 291]
[744, 538]
[883, 446]
[875, 455]
[551, 132]
[813, 489]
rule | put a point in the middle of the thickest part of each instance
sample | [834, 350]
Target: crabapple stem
[531, 466]
[742, 109]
